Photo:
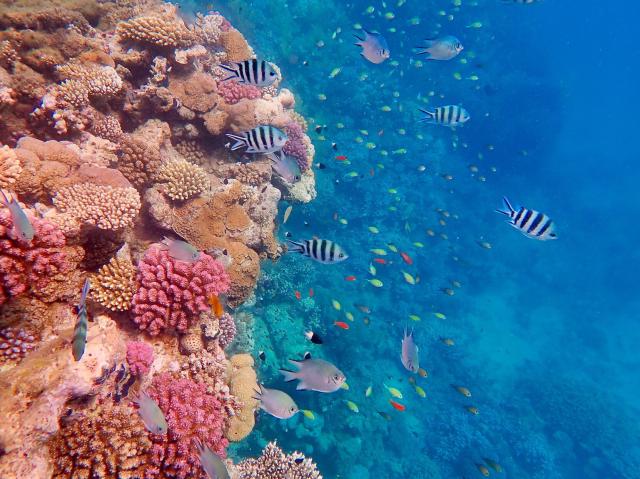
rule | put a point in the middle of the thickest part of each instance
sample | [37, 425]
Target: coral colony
[113, 118]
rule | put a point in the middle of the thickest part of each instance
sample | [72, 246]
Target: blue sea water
[546, 334]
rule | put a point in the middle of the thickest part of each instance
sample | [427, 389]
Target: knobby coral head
[172, 293]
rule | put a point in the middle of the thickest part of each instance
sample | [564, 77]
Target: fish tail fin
[295, 247]
[509, 209]
[239, 141]
[425, 48]
[258, 393]
[289, 375]
[430, 115]
[229, 68]
[360, 40]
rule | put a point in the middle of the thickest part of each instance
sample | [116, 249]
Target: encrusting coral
[15, 344]
[243, 384]
[115, 284]
[182, 180]
[10, 167]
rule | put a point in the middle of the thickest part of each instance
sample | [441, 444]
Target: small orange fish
[217, 308]
[396, 405]
[341, 324]
[341, 158]
[422, 373]
[311, 293]
[407, 259]
[350, 278]
[380, 260]
[298, 295]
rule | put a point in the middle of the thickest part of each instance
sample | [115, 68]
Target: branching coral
[139, 357]
[10, 167]
[209, 27]
[191, 151]
[138, 161]
[107, 127]
[158, 31]
[192, 415]
[110, 442]
[98, 80]
[15, 344]
[172, 293]
[25, 265]
[275, 464]
[107, 207]
[114, 284]
[182, 179]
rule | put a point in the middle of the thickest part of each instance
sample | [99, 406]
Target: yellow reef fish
[457, 76]
[393, 191]
[473, 410]
[322, 96]
[364, 132]
[335, 72]
[420, 391]
[408, 278]
[394, 391]
[400, 151]
[389, 16]
[343, 221]
[493, 464]
[462, 390]
[308, 414]
[483, 470]
[379, 251]
[485, 244]
[374, 230]
[372, 270]
[368, 392]
[440, 315]
[370, 146]
[386, 108]
[418, 244]
[392, 247]
[344, 386]
[287, 213]
[349, 316]
[475, 25]
[376, 283]
[447, 341]
[339, 126]
[370, 10]
[353, 406]
[336, 304]
[414, 317]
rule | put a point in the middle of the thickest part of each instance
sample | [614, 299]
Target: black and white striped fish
[262, 139]
[252, 72]
[320, 250]
[450, 115]
[531, 223]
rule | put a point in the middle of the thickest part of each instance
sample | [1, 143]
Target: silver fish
[444, 48]
[80, 330]
[286, 166]
[374, 47]
[213, 466]
[22, 227]
[180, 250]
[277, 403]
[315, 375]
[151, 414]
[530, 223]
[449, 115]
[252, 72]
[320, 250]
[262, 139]
[409, 356]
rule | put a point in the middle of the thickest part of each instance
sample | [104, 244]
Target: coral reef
[139, 357]
[10, 167]
[242, 384]
[115, 284]
[273, 463]
[227, 330]
[15, 344]
[232, 92]
[182, 180]
[172, 293]
[157, 31]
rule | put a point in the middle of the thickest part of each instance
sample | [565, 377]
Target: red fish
[407, 259]
[380, 260]
[397, 406]
[298, 295]
[341, 324]
[341, 158]
[311, 292]
[350, 278]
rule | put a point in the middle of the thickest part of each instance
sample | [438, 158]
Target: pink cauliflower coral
[192, 415]
[139, 357]
[173, 292]
[29, 264]
[227, 330]
[233, 92]
[296, 146]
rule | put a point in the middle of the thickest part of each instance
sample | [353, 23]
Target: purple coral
[172, 293]
[192, 415]
[15, 344]
[233, 92]
[139, 357]
[29, 264]
[227, 330]
[296, 146]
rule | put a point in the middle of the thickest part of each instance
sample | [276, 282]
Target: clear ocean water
[546, 333]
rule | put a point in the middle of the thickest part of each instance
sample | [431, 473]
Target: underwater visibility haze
[395, 237]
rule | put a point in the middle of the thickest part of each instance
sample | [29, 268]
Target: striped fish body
[449, 115]
[531, 223]
[320, 250]
[262, 139]
[252, 72]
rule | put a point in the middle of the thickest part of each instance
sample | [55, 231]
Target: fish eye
[272, 74]
[297, 178]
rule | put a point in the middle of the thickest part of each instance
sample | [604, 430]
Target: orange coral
[196, 91]
[235, 46]
[139, 160]
[157, 30]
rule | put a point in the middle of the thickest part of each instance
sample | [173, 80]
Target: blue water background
[546, 333]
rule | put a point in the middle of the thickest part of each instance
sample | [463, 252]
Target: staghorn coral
[109, 442]
[29, 265]
[227, 330]
[15, 344]
[182, 179]
[10, 167]
[172, 292]
[138, 161]
[192, 415]
[273, 463]
[232, 92]
[242, 384]
[139, 357]
[107, 207]
[157, 30]
[115, 284]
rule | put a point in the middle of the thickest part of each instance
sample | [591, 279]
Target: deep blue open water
[546, 333]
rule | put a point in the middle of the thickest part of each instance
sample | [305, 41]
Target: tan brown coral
[115, 284]
[107, 127]
[273, 463]
[182, 180]
[243, 384]
[196, 91]
[10, 167]
[158, 31]
[139, 160]
[235, 46]
[191, 151]
[110, 442]
[253, 174]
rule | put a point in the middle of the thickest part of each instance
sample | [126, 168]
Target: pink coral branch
[233, 92]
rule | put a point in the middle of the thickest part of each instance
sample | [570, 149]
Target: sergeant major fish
[277, 403]
[321, 250]
[444, 48]
[530, 223]
[409, 356]
[315, 375]
[261, 139]
[374, 47]
[252, 72]
[449, 115]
